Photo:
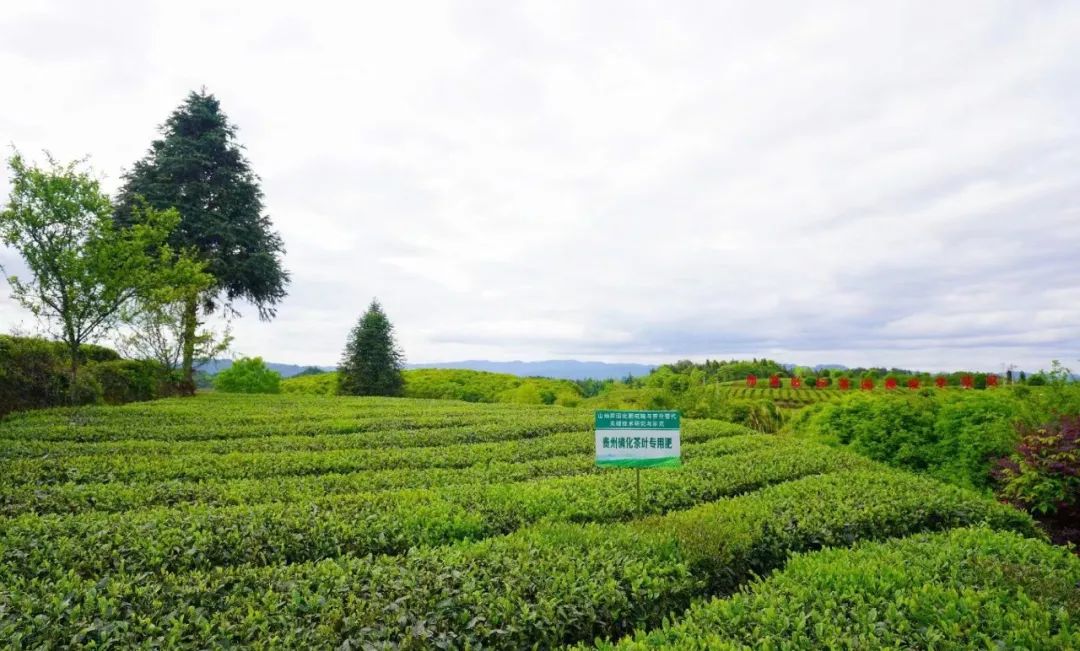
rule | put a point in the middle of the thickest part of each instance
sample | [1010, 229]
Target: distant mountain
[564, 369]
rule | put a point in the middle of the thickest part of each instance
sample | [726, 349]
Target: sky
[891, 184]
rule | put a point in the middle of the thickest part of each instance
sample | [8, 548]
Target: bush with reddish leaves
[1044, 476]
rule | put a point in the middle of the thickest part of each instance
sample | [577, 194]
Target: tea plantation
[293, 521]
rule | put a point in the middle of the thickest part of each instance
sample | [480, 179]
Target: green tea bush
[952, 435]
[539, 587]
[323, 384]
[130, 380]
[389, 522]
[248, 375]
[221, 416]
[19, 496]
[35, 373]
[459, 384]
[962, 589]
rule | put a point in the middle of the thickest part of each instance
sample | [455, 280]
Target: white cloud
[886, 184]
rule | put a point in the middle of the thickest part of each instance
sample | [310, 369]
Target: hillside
[566, 369]
[561, 369]
[456, 384]
[446, 523]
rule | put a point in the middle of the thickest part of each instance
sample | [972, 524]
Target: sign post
[638, 439]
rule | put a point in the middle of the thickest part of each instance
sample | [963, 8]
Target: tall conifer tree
[371, 363]
[198, 168]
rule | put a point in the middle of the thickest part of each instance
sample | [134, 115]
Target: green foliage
[198, 168]
[951, 435]
[482, 386]
[1043, 475]
[88, 352]
[715, 401]
[86, 273]
[310, 476]
[967, 588]
[322, 384]
[371, 363]
[714, 371]
[156, 331]
[248, 375]
[555, 582]
[326, 522]
[624, 397]
[1062, 395]
[203, 380]
[130, 380]
[34, 373]
[395, 520]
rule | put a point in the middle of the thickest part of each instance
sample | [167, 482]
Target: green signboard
[637, 439]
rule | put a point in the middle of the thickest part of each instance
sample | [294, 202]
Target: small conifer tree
[371, 363]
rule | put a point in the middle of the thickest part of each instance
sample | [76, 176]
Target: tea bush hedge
[549, 584]
[35, 373]
[962, 589]
[292, 521]
[313, 526]
[951, 435]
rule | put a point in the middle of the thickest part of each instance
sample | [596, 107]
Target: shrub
[1044, 474]
[966, 588]
[248, 375]
[323, 384]
[385, 522]
[129, 380]
[955, 436]
[536, 588]
[31, 374]
[482, 386]
[35, 373]
[89, 353]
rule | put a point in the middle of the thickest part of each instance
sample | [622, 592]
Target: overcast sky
[863, 183]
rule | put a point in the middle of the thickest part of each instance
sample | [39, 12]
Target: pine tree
[198, 168]
[371, 363]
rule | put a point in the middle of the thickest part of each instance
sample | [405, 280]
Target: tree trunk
[190, 323]
[75, 375]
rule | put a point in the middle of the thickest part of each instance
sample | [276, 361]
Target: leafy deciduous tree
[157, 333]
[86, 272]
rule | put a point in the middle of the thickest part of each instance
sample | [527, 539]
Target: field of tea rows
[329, 522]
[784, 396]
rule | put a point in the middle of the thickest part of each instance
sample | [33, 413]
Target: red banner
[845, 384]
[913, 383]
[774, 381]
[822, 383]
[967, 381]
[991, 380]
[796, 383]
[751, 381]
[867, 384]
[890, 383]
[940, 382]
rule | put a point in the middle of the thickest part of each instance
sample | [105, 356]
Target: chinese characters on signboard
[637, 439]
